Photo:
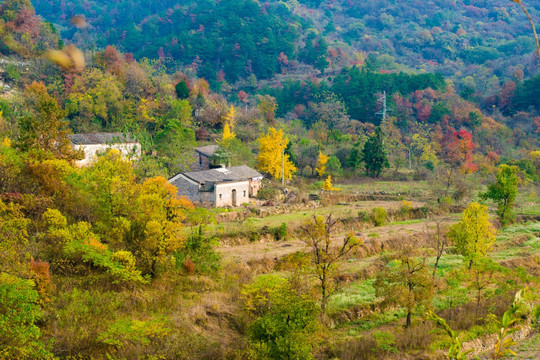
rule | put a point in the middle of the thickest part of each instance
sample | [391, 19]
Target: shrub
[378, 216]
[293, 261]
[279, 232]
[198, 250]
[12, 72]
[254, 236]
[363, 216]
[19, 311]
[385, 341]
[267, 193]
[127, 337]
[405, 207]
[40, 272]
[283, 321]
[189, 266]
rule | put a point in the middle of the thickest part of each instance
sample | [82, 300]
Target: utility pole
[383, 113]
[283, 168]
[384, 107]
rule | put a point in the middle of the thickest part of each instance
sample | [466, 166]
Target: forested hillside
[473, 36]
[398, 216]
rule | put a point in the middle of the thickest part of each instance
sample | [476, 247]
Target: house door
[234, 197]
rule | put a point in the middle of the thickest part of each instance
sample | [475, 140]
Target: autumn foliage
[272, 157]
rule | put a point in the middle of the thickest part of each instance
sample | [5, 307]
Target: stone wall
[202, 163]
[187, 188]
[207, 198]
[224, 193]
[131, 151]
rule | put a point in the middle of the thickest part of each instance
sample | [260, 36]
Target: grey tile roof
[207, 150]
[234, 173]
[101, 138]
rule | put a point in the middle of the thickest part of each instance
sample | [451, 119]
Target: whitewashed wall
[225, 190]
[131, 151]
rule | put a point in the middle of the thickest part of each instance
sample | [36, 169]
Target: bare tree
[438, 241]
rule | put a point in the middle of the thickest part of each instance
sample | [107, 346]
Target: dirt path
[274, 250]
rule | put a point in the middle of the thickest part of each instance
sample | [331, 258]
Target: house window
[219, 196]
[244, 193]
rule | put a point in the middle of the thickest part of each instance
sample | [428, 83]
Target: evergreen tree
[182, 90]
[374, 154]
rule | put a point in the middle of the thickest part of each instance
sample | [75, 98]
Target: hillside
[455, 38]
[397, 216]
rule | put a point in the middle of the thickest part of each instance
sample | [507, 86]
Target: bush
[363, 216]
[378, 216]
[129, 338]
[405, 207]
[198, 254]
[385, 341]
[12, 73]
[19, 334]
[293, 261]
[280, 232]
[267, 193]
[254, 236]
[282, 321]
[317, 185]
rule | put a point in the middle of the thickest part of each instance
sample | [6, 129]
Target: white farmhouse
[93, 144]
[219, 187]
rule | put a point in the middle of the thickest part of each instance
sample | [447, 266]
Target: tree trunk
[436, 265]
[408, 322]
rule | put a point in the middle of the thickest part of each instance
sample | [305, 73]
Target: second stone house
[219, 187]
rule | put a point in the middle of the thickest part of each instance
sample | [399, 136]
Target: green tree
[175, 145]
[13, 239]
[283, 320]
[406, 282]
[182, 91]
[43, 127]
[473, 235]
[355, 158]
[503, 191]
[19, 311]
[315, 52]
[374, 154]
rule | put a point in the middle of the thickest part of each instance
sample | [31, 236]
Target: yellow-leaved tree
[473, 235]
[328, 186]
[230, 116]
[321, 164]
[272, 158]
[228, 138]
[228, 134]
